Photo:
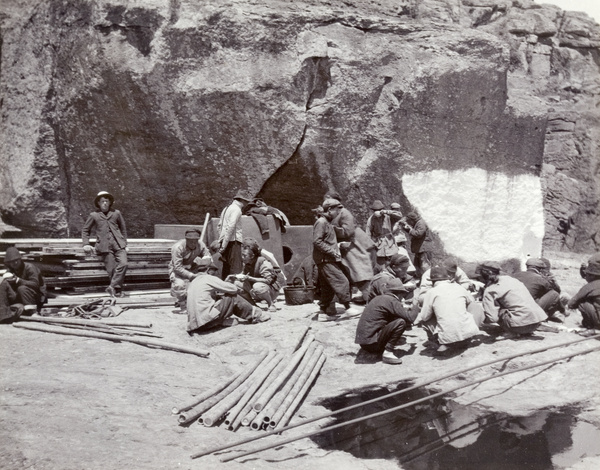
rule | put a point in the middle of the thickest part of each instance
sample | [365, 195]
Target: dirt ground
[79, 403]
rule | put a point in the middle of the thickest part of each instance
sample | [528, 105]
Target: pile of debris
[265, 396]
[67, 268]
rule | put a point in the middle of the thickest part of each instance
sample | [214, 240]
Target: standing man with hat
[111, 240]
[507, 301]
[421, 243]
[541, 290]
[189, 258]
[587, 300]
[445, 315]
[379, 228]
[230, 235]
[22, 289]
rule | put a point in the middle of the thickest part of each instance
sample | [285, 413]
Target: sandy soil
[71, 403]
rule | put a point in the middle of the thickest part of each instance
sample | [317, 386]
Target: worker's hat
[438, 273]
[12, 254]
[242, 196]
[377, 205]
[192, 234]
[105, 194]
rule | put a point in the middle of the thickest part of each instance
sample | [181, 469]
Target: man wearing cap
[22, 288]
[455, 274]
[230, 235]
[541, 290]
[327, 256]
[421, 243]
[396, 268]
[356, 248]
[445, 316]
[507, 301]
[379, 228]
[211, 302]
[258, 279]
[383, 322]
[189, 259]
[111, 240]
[587, 300]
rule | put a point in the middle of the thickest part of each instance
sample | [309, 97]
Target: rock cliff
[481, 114]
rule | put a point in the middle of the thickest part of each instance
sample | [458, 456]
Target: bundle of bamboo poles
[265, 396]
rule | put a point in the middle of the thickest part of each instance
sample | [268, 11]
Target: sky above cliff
[591, 7]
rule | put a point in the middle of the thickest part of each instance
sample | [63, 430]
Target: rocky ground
[70, 402]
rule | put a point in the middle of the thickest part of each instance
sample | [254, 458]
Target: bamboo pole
[258, 380]
[389, 395]
[186, 418]
[268, 393]
[289, 398]
[301, 393]
[304, 332]
[111, 337]
[249, 417]
[80, 321]
[217, 411]
[204, 227]
[206, 395]
[406, 405]
[274, 404]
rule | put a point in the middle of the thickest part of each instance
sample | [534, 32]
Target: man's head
[377, 207]
[318, 211]
[399, 264]
[395, 206]
[104, 201]
[242, 197]
[333, 195]
[450, 266]
[490, 270]
[250, 250]
[592, 271]
[331, 208]
[12, 259]
[212, 269]
[395, 287]
[192, 238]
[535, 265]
[438, 273]
[412, 217]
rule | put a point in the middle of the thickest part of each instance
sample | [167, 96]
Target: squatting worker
[22, 288]
[211, 302]
[111, 240]
[230, 235]
[507, 301]
[189, 259]
[587, 300]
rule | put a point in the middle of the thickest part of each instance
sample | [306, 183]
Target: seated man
[587, 300]
[445, 314]
[540, 288]
[211, 301]
[189, 259]
[22, 287]
[396, 268]
[383, 322]
[455, 274]
[258, 279]
[507, 301]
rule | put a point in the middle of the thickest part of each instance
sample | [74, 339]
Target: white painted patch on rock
[480, 215]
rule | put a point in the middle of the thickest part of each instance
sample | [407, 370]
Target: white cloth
[201, 299]
[447, 303]
[230, 224]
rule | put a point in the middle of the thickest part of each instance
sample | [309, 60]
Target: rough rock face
[480, 114]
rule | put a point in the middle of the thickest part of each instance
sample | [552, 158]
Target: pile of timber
[65, 265]
[265, 396]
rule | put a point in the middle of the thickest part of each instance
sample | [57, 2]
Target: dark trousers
[10, 309]
[591, 317]
[550, 302]
[422, 263]
[115, 263]
[230, 305]
[232, 259]
[389, 337]
[333, 283]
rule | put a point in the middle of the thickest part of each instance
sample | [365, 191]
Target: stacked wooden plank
[65, 265]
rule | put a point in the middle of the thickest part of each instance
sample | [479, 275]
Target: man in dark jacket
[421, 243]
[587, 300]
[383, 322]
[111, 240]
[541, 289]
[22, 290]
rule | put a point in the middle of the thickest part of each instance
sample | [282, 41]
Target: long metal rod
[406, 405]
[389, 395]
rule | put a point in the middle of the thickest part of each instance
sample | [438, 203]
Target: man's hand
[88, 249]
[241, 277]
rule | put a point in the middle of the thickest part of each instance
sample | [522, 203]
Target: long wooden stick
[389, 395]
[80, 321]
[406, 405]
[204, 227]
[89, 334]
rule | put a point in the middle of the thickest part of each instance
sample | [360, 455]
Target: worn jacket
[230, 224]
[325, 248]
[420, 238]
[536, 284]
[183, 262]
[377, 314]
[111, 223]
[379, 229]
[588, 293]
[357, 256]
[202, 299]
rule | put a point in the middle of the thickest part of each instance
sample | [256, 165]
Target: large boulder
[480, 114]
